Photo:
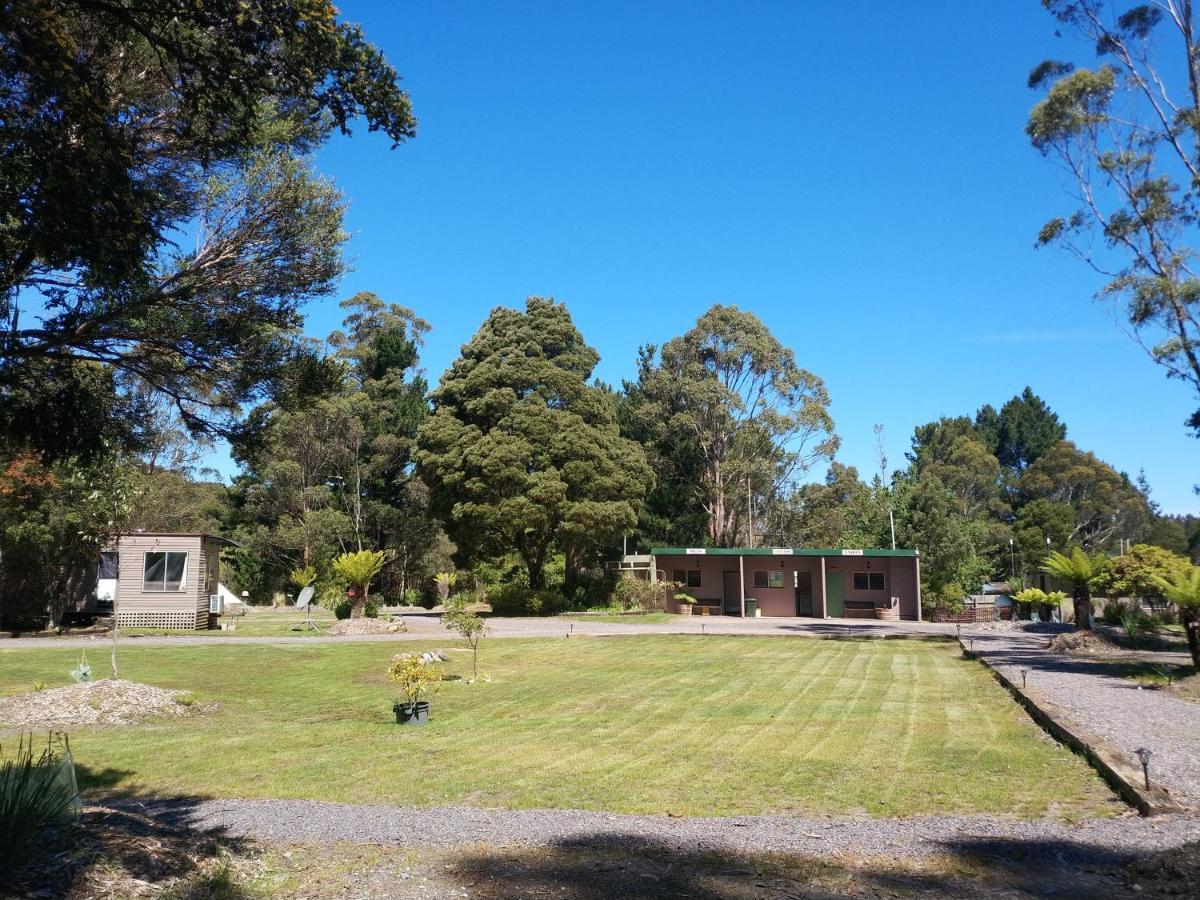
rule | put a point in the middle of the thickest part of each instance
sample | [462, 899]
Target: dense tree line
[161, 229]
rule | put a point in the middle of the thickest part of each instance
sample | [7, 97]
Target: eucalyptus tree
[729, 396]
[158, 216]
[521, 453]
[1126, 130]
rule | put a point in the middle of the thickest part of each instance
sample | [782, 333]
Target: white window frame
[166, 590]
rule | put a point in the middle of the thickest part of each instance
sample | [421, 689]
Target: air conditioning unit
[216, 604]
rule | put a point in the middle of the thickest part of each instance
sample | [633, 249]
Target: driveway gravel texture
[1090, 842]
[1115, 708]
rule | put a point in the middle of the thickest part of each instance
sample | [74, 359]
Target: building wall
[187, 608]
[899, 579]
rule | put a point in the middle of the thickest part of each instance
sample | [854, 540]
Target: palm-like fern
[1183, 589]
[358, 568]
[1079, 568]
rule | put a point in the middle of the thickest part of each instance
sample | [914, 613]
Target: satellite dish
[304, 601]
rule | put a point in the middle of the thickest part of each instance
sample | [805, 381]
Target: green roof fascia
[774, 551]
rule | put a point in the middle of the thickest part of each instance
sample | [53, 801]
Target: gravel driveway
[1112, 707]
[302, 821]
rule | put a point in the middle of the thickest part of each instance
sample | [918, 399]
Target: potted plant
[684, 603]
[415, 677]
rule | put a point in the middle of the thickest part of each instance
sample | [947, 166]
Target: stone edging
[1126, 779]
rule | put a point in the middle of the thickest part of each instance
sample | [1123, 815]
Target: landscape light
[1144, 755]
[1024, 674]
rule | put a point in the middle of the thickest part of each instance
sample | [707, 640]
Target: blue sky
[856, 175]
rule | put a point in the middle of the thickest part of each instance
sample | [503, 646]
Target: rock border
[1125, 779]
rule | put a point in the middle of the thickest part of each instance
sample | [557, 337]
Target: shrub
[634, 593]
[944, 601]
[35, 790]
[1113, 611]
[412, 597]
[518, 600]
[414, 675]
[345, 608]
[445, 582]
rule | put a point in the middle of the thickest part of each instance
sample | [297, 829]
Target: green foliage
[344, 608]
[177, 119]
[728, 412]
[1128, 130]
[636, 593]
[1139, 573]
[303, 577]
[1080, 568]
[35, 790]
[681, 597]
[1183, 589]
[445, 582]
[943, 601]
[470, 625]
[360, 566]
[521, 453]
[415, 676]
[519, 600]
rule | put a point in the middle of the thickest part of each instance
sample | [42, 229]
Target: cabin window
[868, 581]
[768, 578]
[164, 571]
[686, 577]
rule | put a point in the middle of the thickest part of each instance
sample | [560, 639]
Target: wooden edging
[1124, 777]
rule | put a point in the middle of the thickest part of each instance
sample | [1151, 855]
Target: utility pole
[749, 513]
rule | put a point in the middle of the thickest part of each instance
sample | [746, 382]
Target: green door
[835, 598]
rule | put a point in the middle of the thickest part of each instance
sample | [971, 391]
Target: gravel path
[303, 821]
[425, 626]
[1112, 707]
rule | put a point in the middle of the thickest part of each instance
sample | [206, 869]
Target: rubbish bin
[751, 607]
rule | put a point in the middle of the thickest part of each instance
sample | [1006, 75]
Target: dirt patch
[365, 626]
[1171, 873]
[1082, 642]
[107, 702]
[1186, 688]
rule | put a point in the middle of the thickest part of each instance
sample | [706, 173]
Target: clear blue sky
[855, 174]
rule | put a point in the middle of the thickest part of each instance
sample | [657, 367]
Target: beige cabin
[164, 580]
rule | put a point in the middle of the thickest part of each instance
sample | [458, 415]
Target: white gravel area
[303, 821]
[1114, 708]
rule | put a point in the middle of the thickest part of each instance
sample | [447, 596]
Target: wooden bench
[860, 609]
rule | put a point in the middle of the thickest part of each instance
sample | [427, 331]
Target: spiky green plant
[1079, 568]
[358, 568]
[33, 793]
[1183, 589]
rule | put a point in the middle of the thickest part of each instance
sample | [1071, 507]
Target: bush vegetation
[36, 789]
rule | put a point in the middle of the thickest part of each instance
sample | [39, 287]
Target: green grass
[618, 618]
[681, 724]
[255, 623]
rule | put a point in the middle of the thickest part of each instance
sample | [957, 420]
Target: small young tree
[1079, 568]
[470, 626]
[1183, 589]
[358, 569]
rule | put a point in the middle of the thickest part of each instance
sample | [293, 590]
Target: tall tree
[129, 130]
[1024, 430]
[730, 396]
[1127, 131]
[521, 453]
[1105, 505]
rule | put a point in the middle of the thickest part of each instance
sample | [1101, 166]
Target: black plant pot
[417, 714]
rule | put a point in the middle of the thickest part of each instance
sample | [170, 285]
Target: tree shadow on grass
[630, 865]
[122, 847]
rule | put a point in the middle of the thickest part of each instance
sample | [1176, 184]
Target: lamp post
[1144, 755]
[1012, 557]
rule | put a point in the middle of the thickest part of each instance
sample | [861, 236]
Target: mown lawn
[261, 622]
[681, 724]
